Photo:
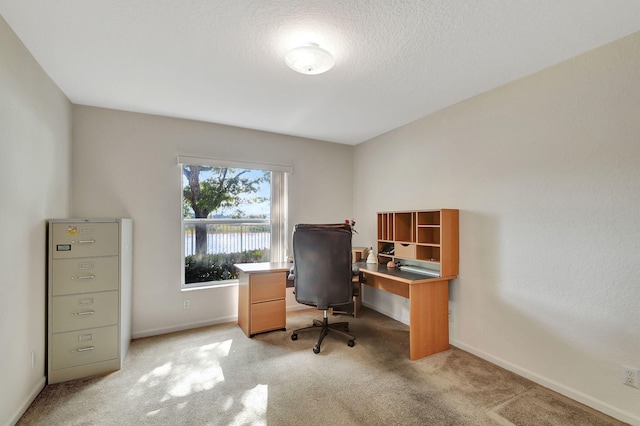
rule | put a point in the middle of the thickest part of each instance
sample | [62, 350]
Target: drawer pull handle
[86, 241]
[88, 348]
[85, 313]
[87, 277]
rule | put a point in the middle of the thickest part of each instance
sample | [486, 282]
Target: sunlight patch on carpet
[255, 402]
[218, 349]
[154, 378]
[196, 381]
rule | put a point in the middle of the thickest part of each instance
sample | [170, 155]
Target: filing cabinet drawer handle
[81, 314]
[86, 241]
[87, 277]
[88, 348]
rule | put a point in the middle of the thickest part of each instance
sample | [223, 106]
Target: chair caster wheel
[351, 343]
[294, 337]
[316, 349]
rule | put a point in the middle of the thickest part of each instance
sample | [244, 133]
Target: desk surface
[396, 274]
[264, 267]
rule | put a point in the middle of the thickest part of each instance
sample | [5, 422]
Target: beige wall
[546, 174]
[35, 156]
[124, 164]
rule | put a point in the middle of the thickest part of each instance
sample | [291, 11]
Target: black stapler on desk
[388, 249]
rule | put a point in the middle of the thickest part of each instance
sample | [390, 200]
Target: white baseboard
[576, 395]
[35, 391]
[182, 327]
[189, 326]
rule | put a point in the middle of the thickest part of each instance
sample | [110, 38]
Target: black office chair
[322, 273]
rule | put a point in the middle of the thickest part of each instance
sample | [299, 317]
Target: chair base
[340, 328]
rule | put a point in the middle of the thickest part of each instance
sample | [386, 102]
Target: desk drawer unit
[262, 289]
[268, 310]
[89, 297]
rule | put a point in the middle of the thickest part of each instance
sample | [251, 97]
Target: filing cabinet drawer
[268, 286]
[405, 251]
[83, 347]
[71, 240]
[268, 316]
[80, 311]
[85, 275]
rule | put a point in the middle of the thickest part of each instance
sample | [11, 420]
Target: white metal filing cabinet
[89, 296]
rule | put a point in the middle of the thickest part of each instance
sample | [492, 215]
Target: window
[232, 212]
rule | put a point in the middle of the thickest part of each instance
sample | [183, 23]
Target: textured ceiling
[222, 61]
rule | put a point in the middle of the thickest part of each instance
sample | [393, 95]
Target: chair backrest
[322, 264]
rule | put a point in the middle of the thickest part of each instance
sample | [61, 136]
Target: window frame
[278, 211]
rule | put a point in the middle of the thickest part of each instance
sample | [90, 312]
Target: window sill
[208, 285]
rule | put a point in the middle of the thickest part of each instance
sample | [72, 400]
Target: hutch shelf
[423, 237]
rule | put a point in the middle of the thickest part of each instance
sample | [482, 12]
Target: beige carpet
[217, 376]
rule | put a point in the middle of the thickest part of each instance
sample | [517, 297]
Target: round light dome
[310, 59]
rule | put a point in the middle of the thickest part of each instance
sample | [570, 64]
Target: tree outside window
[226, 220]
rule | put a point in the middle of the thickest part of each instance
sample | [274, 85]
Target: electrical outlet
[450, 316]
[187, 304]
[33, 359]
[630, 377]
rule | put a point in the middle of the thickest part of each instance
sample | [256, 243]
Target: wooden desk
[428, 305]
[261, 296]
[262, 306]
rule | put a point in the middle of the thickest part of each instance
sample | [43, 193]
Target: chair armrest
[292, 274]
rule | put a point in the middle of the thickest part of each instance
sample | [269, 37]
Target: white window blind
[279, 216]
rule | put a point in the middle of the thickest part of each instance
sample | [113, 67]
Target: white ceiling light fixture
[310, 59]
